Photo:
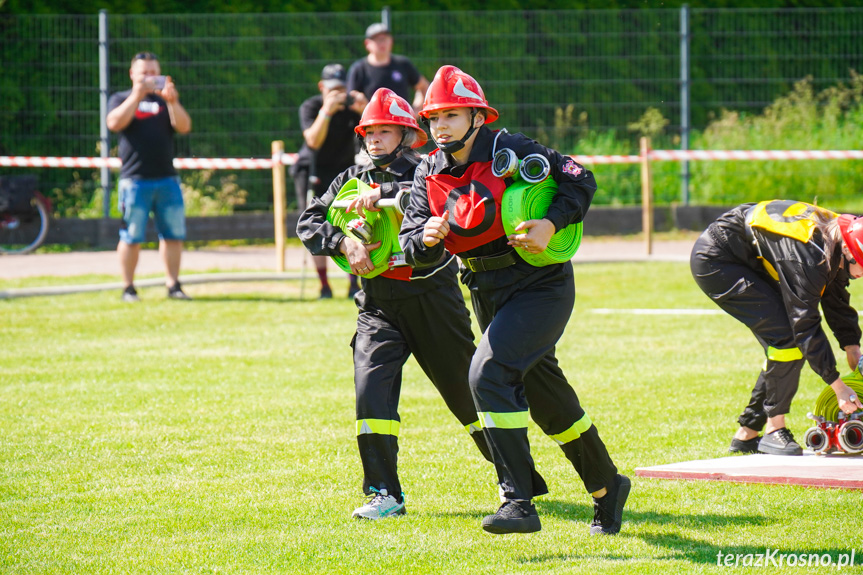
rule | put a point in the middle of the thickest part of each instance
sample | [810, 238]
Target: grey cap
[333, 76]
[375, 29]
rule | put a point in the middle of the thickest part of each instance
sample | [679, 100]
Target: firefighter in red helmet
[401, 312]
[522, 310]
[770, 265]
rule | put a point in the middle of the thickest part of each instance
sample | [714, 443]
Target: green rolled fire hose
[523, 201]
[384, 224]
[827, 406]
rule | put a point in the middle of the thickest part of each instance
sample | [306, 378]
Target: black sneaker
[326, 293]
[130, 295]
[352, 291]
[608, 510]
[514, 516]
[176, 292]
[779, 442]
[744, 446]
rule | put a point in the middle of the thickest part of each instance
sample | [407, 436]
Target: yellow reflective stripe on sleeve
[792, 354]
[473, 427]
[573, 432]
[512, 420]
[379, 426]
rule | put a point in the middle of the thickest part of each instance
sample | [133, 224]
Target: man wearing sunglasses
[147, 116]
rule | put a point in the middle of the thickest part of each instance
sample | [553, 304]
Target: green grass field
[217, 436]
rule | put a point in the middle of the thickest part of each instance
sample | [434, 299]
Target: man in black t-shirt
[330, 145]
[383, 69]
[147, 116]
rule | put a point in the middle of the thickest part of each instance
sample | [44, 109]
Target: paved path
[226, 259]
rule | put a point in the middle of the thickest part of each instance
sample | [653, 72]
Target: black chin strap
[453, 147]
[388, 159]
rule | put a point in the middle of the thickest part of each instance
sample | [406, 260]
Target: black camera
[349, 100]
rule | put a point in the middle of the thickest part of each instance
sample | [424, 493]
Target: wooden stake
[646, 196]
[279, 203]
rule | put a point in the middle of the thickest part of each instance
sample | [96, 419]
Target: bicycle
[24, 215]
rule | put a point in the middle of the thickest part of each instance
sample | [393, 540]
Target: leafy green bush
[203, 198]
[800, 120]
[82, 198]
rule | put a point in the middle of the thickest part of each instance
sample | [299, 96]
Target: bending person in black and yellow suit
[522, 310]
[401, 312]
[770, 265]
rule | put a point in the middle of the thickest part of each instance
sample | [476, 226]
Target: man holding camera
[330, 145]
[146, 117]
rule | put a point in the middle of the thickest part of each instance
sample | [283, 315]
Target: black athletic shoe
[352, 291]
[779, 442]
[514, 516]
[608, 510]
[176, 292]
[326, 293]
[130, 295]
[744, 446]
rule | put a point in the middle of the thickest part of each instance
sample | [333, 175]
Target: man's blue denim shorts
[137, 198]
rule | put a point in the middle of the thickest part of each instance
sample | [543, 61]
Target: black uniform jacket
[576, 187]
[322, 238]
[807, 277]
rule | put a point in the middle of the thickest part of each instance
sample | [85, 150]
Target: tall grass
[801, 120]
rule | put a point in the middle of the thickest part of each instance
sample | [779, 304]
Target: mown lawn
[217, 436]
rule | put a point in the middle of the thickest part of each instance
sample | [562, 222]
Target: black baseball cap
[333, 76]
[375, 29]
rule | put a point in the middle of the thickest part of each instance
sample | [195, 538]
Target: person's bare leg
[745, 433]
[171, 252]
[321, 267]
[774, 423]
[128, 254]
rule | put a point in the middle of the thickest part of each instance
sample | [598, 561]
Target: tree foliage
[264, 6]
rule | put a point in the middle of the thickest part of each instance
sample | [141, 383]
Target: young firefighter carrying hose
[455, 205]
[770, 265]
[401, 311]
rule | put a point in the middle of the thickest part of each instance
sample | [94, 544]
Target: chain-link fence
[569, 78]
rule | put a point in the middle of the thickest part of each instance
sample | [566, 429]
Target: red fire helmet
[387, 107]
[852, 233]
[452, 88]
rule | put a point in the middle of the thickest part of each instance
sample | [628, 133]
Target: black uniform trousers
[753, 298]
[515, 371]
[435, 327]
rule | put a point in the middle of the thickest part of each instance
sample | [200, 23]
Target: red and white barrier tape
[701, 155]
[290, 159]
[607, 159]
[677, 155]
[179, 163]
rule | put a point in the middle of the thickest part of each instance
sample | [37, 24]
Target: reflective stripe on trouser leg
[514, 420]
[574, 432]
[473, 427]
[380, 426]
[783, 355]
